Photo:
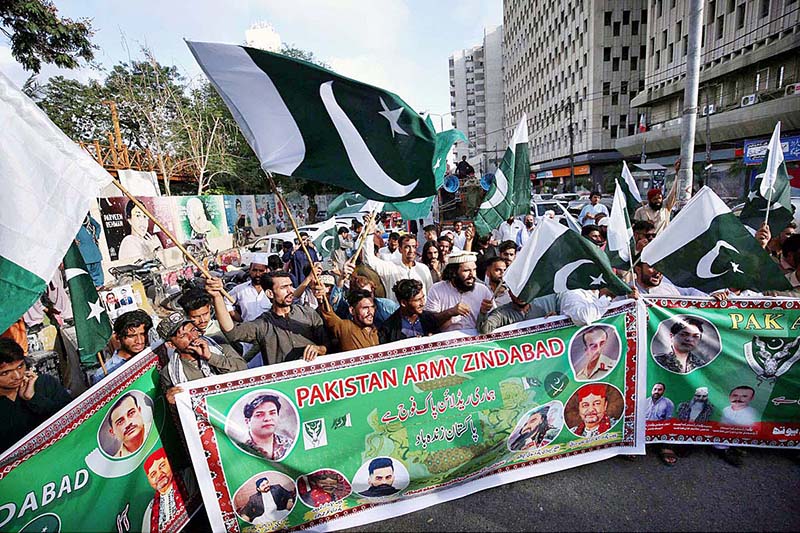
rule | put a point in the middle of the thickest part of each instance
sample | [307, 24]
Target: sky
[400, 45]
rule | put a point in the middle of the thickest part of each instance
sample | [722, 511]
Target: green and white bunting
[708, 248]
[510, 194]
[620, 233]
[48, 184]
[772, 174]
[633, 199]
[556, 259]
[305, 121]
[92, 325]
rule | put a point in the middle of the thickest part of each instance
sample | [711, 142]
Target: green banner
[109, 461]
[724, 372]
[371, 434]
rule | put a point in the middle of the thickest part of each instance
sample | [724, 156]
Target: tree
[38, 35]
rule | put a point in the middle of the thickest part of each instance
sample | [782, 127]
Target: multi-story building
[476, 100]
[579, 62]
[749, 79]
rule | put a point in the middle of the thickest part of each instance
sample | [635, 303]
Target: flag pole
[769, 201]
[169, 234]
[102, 363]
[363, 238]
[296, 232]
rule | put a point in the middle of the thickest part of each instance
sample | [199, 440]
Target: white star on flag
[735, 267]
[751, 195]
[392, 116]
[97, 310]
[597, 280]
[438, 163]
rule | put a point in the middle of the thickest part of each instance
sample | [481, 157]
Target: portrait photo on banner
[593, 409]
[264, 498]
[240, 211]
[684, 343]
[323, 486]
[263, 423]
[594, 352]
[130, 234]
[537, 427]
[381, 477]
[127, 425]
[200, 215]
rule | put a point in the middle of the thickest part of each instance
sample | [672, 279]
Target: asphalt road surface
[700, 493]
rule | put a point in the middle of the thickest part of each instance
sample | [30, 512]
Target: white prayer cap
[259, 258]
[456, 258]
[701, 390]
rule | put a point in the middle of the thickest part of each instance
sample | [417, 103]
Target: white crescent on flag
[704, 265]
[500, 192]
[560, 279]
[70, 273]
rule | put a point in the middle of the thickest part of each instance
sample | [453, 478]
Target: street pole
[689, 122]
[571, 148]
[707, 170]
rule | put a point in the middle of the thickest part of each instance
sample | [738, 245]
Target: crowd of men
[374, 292]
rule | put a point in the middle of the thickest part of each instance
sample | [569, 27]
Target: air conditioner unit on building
[792, 89]
[707, 110]
[750, 99]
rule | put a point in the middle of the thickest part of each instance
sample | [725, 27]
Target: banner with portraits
[723, 373]
[198, 216]
[240, 211]
[130, 234]
[367, 435]
[109, 461]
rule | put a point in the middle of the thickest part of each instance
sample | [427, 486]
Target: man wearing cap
[458, 298]
[698, 409]
[592, 408]
[657, 209]
[408, 267]
[194, 356]
[170, 490]
[250, 300]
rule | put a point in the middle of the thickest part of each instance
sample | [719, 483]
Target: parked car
[566, 197]
[539, 208]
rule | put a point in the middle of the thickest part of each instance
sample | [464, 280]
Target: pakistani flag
[305, 121]
[571, 222]
[92, 325]
[510, 193]
[351, 202]
[633, 200]
[772, 174]
[327, 239]
[707, 248]
[556, 259]
[342, 422]
[620, 233]
[48, 183]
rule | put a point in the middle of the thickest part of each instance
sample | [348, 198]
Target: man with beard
[131, 331]
[685, 335]
[445, 247]
[651, 282]
[457, 299]
[657, 210]
[127, 425]
[659, 407]
[495, 270]
[262, 416]
[644, 231]
[193, 355]
[360, 332]
[408, 267]
[592, 408]
[698, 409]
[286, 332]
[525, 233]
[381, 477]
[249, 298]
[267, 500]
[410, 320]
[167, 503]
[508, 251]
[535, 432]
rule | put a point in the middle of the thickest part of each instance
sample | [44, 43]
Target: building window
[670, 54]
[658, 60]
[641, 85]
[607, 18]
[712, 9]
[623, 119]
[634, 63]
[740, 12]
[731, 6]
[678, 29]
[613, 132]
[607, 53]
[615, 64]
[615, 98]
[643, 48]
[616, 29]
[763, 11]
[623, 87]
[606, 88]
[720, 26]
[635, 27]
[605, 122]
[625, 53]
[644, 16]
[780, 77]
[664, 37]
[659, 8]
[685, 44]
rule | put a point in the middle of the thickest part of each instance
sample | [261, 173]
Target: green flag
[92, 326]
[305, 121]
[327, 238]
[346, 203]
[771, 173]
[556, 259]
[633, 199]
[351, 202]
[510, 194]
[706, 247]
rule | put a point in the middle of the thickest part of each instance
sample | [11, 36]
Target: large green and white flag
[556, 259]
[706, 247]
[633, 199]
[572, 224]
[305, 121]
[47, 183]
[510, 194]
[620, 233]
[772, 174]
[92, 325]
[350, 202]
[327, 238]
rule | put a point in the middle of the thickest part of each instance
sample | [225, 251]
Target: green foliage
[38, 35]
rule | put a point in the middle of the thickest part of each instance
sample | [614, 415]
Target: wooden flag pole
[169, 234]
[297, 232]
[364, 233]
[102, 363]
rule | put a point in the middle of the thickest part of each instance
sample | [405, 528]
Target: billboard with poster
[130, 234]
